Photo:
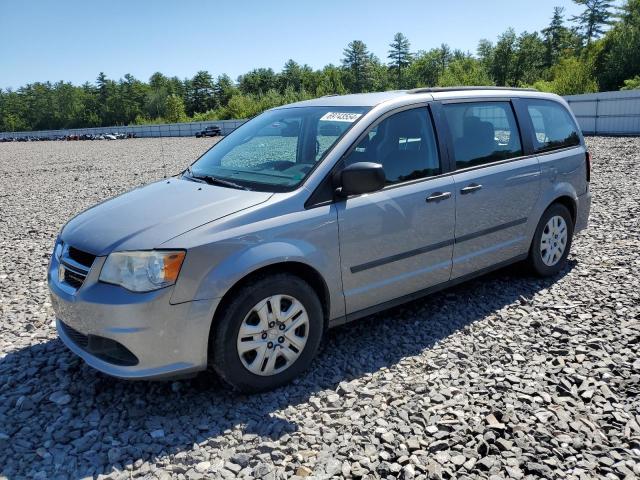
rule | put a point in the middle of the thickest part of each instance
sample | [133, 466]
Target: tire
[252, 311]
[549, 258]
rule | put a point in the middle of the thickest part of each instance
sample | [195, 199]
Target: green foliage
[503, 57]
[357, 63]
[258, 81]
[399, 57]
[425, 70]
[175, 109]
[206, 116]
[594, 18]
[559, 39]
[563, 58]
[569, 77]
[465, 71]
[331, 82]
[199, 93]
[617, 55]
[528, 62]
[632, 83]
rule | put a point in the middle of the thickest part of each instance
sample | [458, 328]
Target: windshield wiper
[211, 180]
[190, 175]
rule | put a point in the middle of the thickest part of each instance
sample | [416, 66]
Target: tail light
[588, 162]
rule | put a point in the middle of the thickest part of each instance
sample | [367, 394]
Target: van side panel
[563, 171]
[493, 224]
[563, 174]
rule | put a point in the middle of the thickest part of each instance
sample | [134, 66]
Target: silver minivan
[315, 214]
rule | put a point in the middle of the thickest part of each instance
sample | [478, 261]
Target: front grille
[74, 279]
[83, 258]
[105, 349]
[76, 264]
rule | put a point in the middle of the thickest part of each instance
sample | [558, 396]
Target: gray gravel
[505, 377]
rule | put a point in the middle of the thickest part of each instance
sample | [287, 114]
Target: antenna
[164, 163]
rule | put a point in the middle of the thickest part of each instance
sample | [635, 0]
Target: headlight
[142, 271]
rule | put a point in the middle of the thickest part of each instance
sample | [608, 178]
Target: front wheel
[552, 241]
[268, 334]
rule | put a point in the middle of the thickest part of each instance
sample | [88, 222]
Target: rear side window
[553, 126]
[483, 132]
[404, 144]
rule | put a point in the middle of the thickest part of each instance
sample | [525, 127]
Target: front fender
[235, 267]
[215, 265]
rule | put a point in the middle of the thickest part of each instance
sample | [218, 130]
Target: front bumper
[165, 340]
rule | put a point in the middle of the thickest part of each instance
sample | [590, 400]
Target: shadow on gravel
[96, 423]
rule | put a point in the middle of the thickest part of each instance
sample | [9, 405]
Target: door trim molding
[435, 246]
[400, 256]
[487, 231]
[421, 293]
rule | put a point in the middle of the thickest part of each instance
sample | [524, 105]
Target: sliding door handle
[470, 188]
[437, 196]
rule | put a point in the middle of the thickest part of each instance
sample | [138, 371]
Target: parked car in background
[212, 131]
[312, 215]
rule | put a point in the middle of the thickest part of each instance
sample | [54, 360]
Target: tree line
[598, 50]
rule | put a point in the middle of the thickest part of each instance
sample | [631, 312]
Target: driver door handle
[437, 196]
[471, 188]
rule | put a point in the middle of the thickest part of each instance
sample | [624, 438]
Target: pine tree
[555, 36]
[444, 57]
[291, 76]
[223, 90]
[596, 15]
[400, 56]
[503, 58]
[357, 62]
[200, 97]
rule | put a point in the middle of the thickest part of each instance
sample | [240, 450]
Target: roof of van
[417, 94]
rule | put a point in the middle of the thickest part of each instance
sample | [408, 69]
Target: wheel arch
[299, 269]
[568, 202]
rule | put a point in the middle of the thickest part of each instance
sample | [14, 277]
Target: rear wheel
[552, 241]
[268, 334]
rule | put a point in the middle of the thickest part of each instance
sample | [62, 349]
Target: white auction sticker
[340, 117]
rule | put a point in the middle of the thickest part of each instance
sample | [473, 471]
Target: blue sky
[74, 40]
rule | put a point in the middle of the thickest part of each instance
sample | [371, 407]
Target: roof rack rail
[455, 89]
[331, 95]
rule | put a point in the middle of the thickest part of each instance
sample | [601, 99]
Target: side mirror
[361, 177]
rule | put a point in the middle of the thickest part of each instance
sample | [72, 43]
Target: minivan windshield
[276, 150]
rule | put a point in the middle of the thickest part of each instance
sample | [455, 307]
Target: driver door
[399, 240]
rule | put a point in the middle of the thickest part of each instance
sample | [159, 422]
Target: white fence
[607, 113]
[188, 129]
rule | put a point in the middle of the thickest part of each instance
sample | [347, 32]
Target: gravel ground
[505, 377]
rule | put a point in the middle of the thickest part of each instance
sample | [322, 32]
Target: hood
[148, 216]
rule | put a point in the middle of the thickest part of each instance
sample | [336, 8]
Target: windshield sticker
[340, 117]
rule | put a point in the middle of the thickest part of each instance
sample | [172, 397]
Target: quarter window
[553, 126]
[404, 144]
[483, 132]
